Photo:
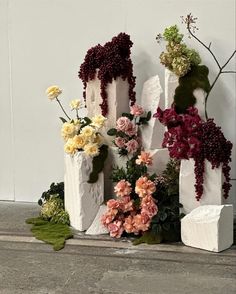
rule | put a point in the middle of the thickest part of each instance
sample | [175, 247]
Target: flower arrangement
[188, 136]
[109, 62]
[82, 134]
[126, 132]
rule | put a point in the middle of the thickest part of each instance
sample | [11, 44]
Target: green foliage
[63, 119]
[55, 234]
[149, 237]
[144, 120]
[51, 207]
[112, 132]
[55, 189]
[61, 217]
[129, 115]
[196, 78]
[85, 122]
[98, 164]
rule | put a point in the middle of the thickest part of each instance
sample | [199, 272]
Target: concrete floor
[101, 265]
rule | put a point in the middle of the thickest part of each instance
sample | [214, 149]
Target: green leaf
[149, 115]
[98, 164]
[129, 115]
[63, 119]
[112, 132]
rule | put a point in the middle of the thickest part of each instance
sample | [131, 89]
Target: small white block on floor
[208, 227]
[96, 227]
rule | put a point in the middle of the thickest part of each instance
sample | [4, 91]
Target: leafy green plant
[55, 189]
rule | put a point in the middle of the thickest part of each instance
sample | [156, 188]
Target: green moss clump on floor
[55, 234]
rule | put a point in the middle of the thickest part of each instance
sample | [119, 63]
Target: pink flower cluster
[183, 137]
[144, 158]
[123, 215]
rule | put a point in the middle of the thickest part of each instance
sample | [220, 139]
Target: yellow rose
[70, 147]
[68, 128]
[98, 121]
[99, 139]
[88, 132]
[53, 92]
[79, 141]
[75, 104]
[91, 149]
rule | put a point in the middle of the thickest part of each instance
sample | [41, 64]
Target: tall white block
[152, 133]
[118, 99]
[160, 159]
[212, 187]
[208, 227]
[200, 96]
[171, 83]
[82, 200]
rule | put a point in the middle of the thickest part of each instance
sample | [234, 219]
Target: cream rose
[53, 92]
[68, 129]
[75, 104]
[91, 149]
[98, 121]
[99, 139]
[79, 141]
[70, 147]
[88, 132]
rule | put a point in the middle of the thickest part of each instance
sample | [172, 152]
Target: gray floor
[101, 265]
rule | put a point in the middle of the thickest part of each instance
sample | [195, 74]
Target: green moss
[197, 77]
[149, 238]
[98, 164]
[49, 232]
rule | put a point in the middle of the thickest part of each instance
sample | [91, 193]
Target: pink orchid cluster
[127, 138]
[123, 215]
[183, 137]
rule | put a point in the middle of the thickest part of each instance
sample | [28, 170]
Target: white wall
[44, 42]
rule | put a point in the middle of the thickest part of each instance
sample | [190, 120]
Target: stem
[77, 113]
[228, 71]
[63, 108]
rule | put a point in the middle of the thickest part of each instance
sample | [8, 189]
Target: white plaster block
[82, 200]
[96, 227]
[113, 159]
[171, 83]
[152, 133]
[118, 101]
[160, 159]
[212, 186]
[200, 96]
[208, 227]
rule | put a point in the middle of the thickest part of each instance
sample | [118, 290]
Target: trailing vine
[109, 62]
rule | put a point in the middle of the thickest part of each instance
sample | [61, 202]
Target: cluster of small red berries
[109, 61]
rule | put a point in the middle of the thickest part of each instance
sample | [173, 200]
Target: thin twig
[63, 108]
[228, 71]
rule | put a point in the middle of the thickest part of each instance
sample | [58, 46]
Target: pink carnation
[144, 187]
[123, 124]
[123, 188]
[116, 229]
[136, 110]
[120, 142]
[132, 146]
[109, 216]
[141, 223]
[125, 205]
[144, 158]
[148, 206]
[113, 204]
[128, 225]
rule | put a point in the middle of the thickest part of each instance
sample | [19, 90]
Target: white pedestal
[208, 227]
[82, 200]
[160, 159]
[171, 83]
[212, 186]
[97, 227]
[118, 100]
[152, 133]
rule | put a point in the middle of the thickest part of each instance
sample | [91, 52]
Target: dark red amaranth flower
[109, 62]
[190, 137]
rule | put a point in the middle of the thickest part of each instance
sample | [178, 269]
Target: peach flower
[123, 188]
[148, 206]
[128, 225]
[116, 229]
[113, 204]
[109, 216]
[144, 158]
[144, 187]
[136, 110]
[140, 223]
[126, 204]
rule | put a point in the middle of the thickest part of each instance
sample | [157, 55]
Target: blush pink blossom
[144, 187]
[136, 110]
[120, 142]
[131, 130]
[113, 204]
[116, 229]
[123, 188]
[128, 225]
[109, 216]
[140, 223]
[148, 206]
[123, 124]
[132, 146]
[144, 158]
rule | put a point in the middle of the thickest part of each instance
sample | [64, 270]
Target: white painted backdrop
[44, 42]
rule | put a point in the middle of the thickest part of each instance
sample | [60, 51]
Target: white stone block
[96, 227]
[152, 133]
[200, 96]
[171, 83]
[118, 100]
[160, 159]
[82, 200]
[113, 159]
[208, 227]
[212, 186]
